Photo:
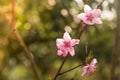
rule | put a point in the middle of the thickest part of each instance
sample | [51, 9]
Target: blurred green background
[40, 22]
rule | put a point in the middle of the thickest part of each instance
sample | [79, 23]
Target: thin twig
[70, 69]
[84, 26]
[100, 4]
[60, 67]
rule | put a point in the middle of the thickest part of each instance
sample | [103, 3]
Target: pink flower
[66, 45]
[90, 16]
[89, 68]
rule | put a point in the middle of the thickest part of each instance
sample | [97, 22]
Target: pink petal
[94, 61]
[96, 12]
[65, 53]
[59, 52]
[97, 21]
[59, 43]
[81, 16]
[66, 36]
[91, 69]
[74, 42]
[87, 8]
[62, 52]
[85, 68]
[71, 51]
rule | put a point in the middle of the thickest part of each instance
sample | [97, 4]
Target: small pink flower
[90, 16]
[89, 68]
[66, 45]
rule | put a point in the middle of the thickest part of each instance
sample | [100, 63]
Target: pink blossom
[66, 45]
[90, 16]
[89, 68]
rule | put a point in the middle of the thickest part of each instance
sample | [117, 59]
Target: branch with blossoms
[66, 45]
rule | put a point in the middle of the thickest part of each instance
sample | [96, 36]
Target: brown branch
[21, 42]
[84, 27]
[116, 52]
[13, 13]
[57, 74]
[19, 38]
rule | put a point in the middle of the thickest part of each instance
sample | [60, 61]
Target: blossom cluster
[66, 44]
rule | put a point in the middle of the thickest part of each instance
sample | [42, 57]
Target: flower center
[89, 17]
[67, 44]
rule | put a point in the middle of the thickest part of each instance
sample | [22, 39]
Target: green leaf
[90, 56]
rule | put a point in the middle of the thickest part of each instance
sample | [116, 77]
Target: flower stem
[71, 69]
[84, 26]
[57, 74]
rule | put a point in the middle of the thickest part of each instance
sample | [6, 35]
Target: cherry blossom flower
[90, 16]
[89, 68]
[66, 45]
